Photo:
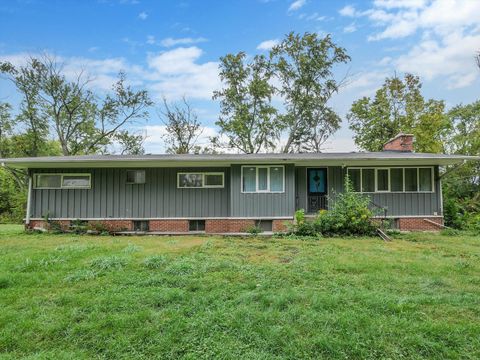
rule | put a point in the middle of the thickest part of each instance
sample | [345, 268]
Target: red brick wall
[64, 224]
[280, 225]
[418, 223]
[169, 225]
[228, 225]
[401, 142]
[115, 225]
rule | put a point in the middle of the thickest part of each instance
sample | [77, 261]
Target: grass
[193, 297]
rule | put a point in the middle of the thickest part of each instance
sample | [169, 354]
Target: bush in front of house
[350, 215]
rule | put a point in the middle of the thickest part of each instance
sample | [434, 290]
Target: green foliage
[108, 263]
[303, 66]
[246, 114]
[13, 198]
[350, 214]
[253, 230]
[399, 107]
[155, 262]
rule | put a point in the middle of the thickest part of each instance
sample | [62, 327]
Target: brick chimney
[401, 142]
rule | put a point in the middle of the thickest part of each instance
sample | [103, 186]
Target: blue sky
[172, 47]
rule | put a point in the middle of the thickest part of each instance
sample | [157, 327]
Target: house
[229, 193]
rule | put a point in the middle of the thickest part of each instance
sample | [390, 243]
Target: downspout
[29, 199]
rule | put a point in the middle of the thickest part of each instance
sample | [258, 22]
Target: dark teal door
[316, 189]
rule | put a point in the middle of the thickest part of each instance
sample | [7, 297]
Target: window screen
[425, 175]
[249, 179]
[48, 181]
[396, 179]
[76, 181]
[276, 178]
[382, 180]
[411, 179]
[262, 179]
[136, 176]
[190, 180]
[354, 176]
[214, 180]
[368, 180]
[196, 225]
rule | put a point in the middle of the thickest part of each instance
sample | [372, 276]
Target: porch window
[368, 180]
[62, 181]
[396, 179]
[200, 180]
[263, 179]
[411, 179]
[355, 177]
[382, 180]
[425, 179]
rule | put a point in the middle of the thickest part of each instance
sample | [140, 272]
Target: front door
[316, 189]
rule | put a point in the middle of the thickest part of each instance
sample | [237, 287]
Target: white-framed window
[200, 180]
[398, 179]
[135, 176]
[62, 181]
[263, 179]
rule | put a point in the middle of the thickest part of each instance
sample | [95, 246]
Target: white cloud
[268, 44]
[177, 72]
[449, 32]
[169, 42]
[296, 5]
[143, 15]
[151, 40]
[348, 11]
[350, 28]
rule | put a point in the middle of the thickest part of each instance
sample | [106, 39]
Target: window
[200, 180]
[62, 181]
[263, 178]
[382, 180]
[411, 179]
[196, 225]
[396, 179]
[264, 225]
[355, 177]
[408, 179]
[135, 176]
[140, 225]
[368, 180]
[425, 179]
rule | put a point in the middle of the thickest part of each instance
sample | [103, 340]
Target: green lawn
[71, 297]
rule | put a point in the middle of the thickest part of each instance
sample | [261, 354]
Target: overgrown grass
[69, 296]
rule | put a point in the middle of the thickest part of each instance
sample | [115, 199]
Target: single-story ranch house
[230, 193]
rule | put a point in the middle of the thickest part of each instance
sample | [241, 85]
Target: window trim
[136, 183]
[268, 191]
[389, 178]
[204, 186]
[89, 175]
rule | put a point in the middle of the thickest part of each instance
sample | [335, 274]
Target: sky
[172, 48]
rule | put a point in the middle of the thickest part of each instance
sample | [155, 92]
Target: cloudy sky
[172, 47]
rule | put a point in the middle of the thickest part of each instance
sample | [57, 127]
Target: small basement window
[196, 225]
[264, 225]
[140, 225]
[135, 176]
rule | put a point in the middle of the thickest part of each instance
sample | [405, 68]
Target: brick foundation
[113, 225]
[228, 225]
[42, 224]
[419, 224]
[280, 225]
[174, 226]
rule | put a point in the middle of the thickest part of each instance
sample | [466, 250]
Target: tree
[399, 106]
[303, 67]
[247, 117]
[5, 125]
[130, 144]
[182, 127]
[83, 124]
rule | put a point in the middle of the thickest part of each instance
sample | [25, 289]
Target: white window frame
[136, 183]
[376, 180]
[204, 186]
[35, 175]
[269, 167]
[389, 185]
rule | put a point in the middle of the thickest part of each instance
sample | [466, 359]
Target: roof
[383, 158]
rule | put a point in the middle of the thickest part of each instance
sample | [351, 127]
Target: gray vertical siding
[397, 204]
[111, 197]
[262, 204]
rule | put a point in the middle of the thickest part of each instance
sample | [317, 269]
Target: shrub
[474, 223]
[254, 230]
[453, 214]
[350, 215]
